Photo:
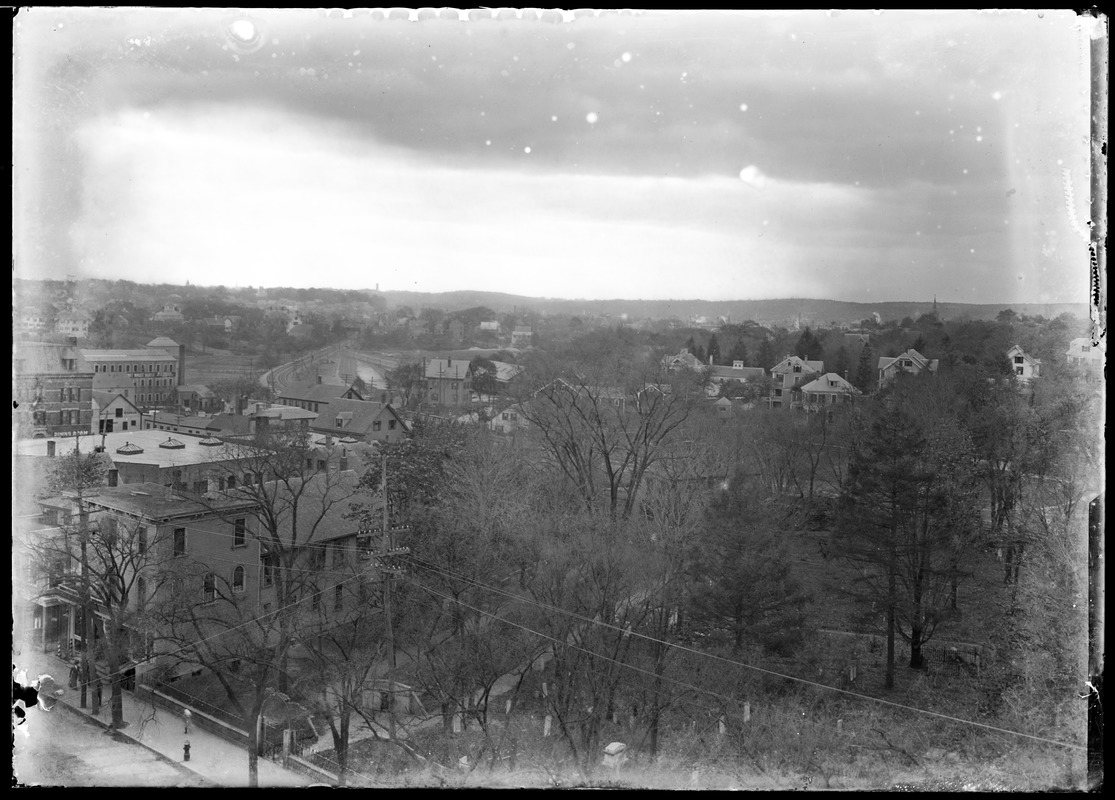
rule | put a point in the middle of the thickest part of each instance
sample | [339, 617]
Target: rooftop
[191, 452]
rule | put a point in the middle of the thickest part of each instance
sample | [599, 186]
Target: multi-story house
[171, 312]
[52, 390]
[521, 337]
[911, 362]
[1084, 352]
[448, 383]
[196, 398]
[148, 377]
[73, 324]
[209, 554]
[1024, 366]
[787, 377]
[360, 421]
[827, 392]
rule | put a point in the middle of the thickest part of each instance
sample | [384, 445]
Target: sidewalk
[213, 758]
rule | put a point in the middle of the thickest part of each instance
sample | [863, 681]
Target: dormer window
[1018, 359]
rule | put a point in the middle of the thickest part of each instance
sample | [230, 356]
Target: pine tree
[766, 355]
[713, 351]
[907, 513]
[865, 371]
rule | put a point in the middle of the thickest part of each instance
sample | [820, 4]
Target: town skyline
[847, 155]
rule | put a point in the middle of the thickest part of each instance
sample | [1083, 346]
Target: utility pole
[88, 665]
[387, 571]
[385, 545]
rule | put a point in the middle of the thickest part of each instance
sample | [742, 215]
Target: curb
[125, 739]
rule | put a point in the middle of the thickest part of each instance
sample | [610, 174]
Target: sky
[862, 156]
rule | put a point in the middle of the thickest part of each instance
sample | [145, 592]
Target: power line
[771, 673]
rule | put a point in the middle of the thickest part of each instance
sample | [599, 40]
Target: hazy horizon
[710, 155]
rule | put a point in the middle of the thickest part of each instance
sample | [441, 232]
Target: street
[60, 748]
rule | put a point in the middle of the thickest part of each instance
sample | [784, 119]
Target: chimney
[344, 459]
[181, 364]
[50, 448]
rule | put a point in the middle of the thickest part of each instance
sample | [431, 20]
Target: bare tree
[605, 425]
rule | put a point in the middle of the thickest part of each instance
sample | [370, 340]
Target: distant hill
[94, 293]
[811, 311]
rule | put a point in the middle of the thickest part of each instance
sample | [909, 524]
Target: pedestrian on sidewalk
[187, 714]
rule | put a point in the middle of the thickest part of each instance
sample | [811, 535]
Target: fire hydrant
[186, 750]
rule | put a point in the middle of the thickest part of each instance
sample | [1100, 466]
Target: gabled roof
[683, 357]
[284, 413]
[506, 372]
[1015, 350]
[105, 399]
[162, 341]
[357, 416]
[920, 361]
[830, 383]
[314, 392]
[789, 362]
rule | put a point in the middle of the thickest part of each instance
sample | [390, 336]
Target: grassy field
[218, 365]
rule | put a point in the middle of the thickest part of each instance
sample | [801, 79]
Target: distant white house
[1084, 351]
[787, 377]
[827, 391]
[1025, 367]
[911, 361]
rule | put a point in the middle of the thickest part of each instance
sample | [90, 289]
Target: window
[321, 465]
[391, 424]
[338, 597]
[268, 569]
[340, 423]
[1018, 370]
[210, 588]
[338, 553]
[141, 541]
[1018, 359]
[239, 533]
[119, 413]
[238, 579]
[179, 541]
[317, 601]
[141, 591]
[232, 481]
[376, 425]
